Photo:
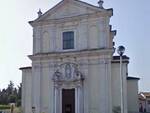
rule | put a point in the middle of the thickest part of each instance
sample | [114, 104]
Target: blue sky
[131, 20]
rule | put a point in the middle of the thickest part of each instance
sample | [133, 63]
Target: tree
[3, 97]
[19, 95]
[11, 94]
[10, 88]
[12, 98]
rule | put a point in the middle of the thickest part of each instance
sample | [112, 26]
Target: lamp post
[121, 50]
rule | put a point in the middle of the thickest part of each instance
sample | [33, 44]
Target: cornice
[25, 68]
[112, 32]
[72, 54]
[133, 78]
[116, 59]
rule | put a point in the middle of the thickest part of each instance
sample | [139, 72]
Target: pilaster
[36, 87]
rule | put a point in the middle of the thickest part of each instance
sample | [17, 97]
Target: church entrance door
[68, 100]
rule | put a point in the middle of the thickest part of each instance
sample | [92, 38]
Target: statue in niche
[68, 71]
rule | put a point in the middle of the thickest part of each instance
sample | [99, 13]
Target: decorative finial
[100, 2]
[39, 13]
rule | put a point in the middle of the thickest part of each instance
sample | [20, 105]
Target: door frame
[57, 104]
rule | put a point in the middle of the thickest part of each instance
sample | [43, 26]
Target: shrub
[3, 107]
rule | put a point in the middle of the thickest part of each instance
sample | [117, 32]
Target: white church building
[73, 68]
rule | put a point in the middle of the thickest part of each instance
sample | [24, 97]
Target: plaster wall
[116, 85]
[96, 87]
[88, 34]
[132, 89]
[26, 90]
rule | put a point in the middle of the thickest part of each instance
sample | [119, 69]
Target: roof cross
[39, 13]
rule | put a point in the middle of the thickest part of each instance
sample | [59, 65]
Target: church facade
[73, 68]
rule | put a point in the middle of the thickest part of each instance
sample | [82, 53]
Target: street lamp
[121, 50]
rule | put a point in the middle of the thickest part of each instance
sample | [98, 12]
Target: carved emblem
[67, 72]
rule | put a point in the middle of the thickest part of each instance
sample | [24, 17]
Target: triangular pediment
[69, 8]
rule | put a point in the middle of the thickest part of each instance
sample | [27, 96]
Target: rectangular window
[68, 40]
[148, 102]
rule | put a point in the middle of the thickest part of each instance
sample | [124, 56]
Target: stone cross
[39, 13]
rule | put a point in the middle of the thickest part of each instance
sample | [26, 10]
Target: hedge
[3, 107]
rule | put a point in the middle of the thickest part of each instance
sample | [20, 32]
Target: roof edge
[109, 11]
[23, 68]
[133, 78]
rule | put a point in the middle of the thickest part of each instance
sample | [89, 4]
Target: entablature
[100, 53]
